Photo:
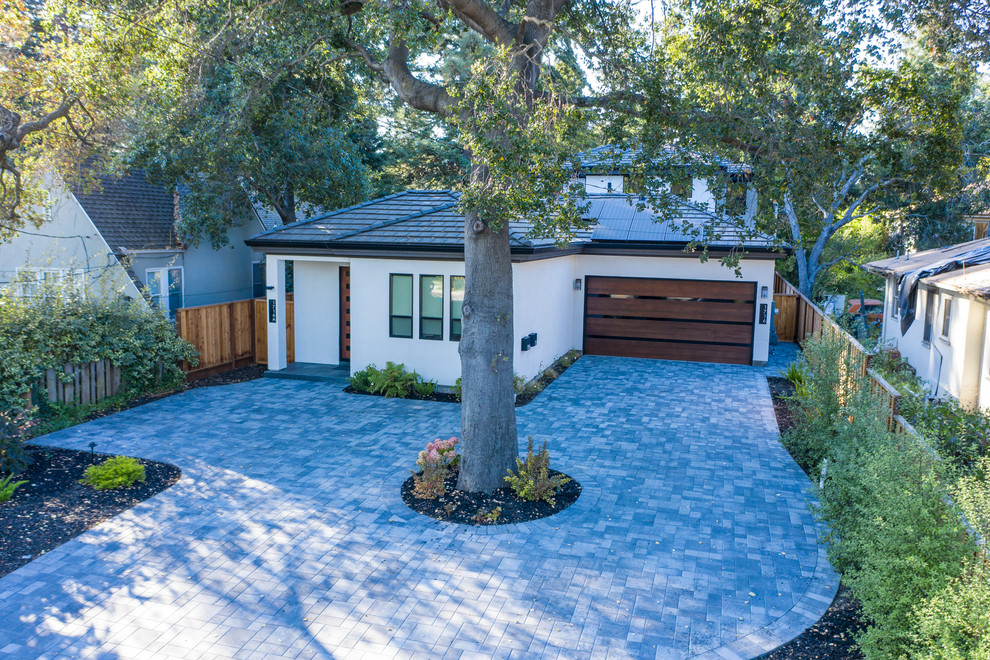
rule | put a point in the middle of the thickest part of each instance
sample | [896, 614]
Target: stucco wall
[686, 268]
[69, 240]
[983, 397]
[434, 359]
[317, 312]
[544, 299]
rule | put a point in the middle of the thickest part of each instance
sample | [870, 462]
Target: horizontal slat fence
[229, 335]
[81, 384]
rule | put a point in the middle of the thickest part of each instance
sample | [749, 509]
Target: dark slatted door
[345, 313]
[692, 320]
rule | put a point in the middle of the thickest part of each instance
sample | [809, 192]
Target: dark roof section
[132, 213]
[615, 159]
[618, 219]
[429, 220]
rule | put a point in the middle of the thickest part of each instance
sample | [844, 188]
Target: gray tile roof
[270, 219]
[431, 219]
[131, 213]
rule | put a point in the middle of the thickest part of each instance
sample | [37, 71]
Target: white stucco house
[121, 236]
[937, 314]
[384, 281]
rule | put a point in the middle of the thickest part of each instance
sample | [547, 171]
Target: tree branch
[414, 92]
[483, 19]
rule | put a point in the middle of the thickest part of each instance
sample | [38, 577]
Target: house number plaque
[271, 311]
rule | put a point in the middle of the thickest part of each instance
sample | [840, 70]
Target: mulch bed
[458, 506]
[832, 637]
[445, 397]
[54, 507]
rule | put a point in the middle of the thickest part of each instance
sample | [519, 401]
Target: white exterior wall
[370, 344]
[544, 300]
[682, 268]
[956, 364]
[69, 240]
[316, 311]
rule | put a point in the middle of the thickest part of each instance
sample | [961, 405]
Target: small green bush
[8, 486]
[532, 480]
[425, 388]
[115, 472]
[458, 388]
[797, 377]
[361, 380]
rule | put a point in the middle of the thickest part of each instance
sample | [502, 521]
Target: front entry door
[345, 313]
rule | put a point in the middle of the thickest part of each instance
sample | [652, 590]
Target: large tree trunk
[488, 416]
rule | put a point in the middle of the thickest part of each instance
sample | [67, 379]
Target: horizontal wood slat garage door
[694, 320]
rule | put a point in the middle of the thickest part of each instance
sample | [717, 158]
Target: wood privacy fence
[81, 384]
[230, 335]
[800, 318]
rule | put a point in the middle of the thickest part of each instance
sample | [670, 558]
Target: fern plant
[7, 488]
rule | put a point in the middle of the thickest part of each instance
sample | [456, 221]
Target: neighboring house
[384, 281]
[122, 235]
[937, 314]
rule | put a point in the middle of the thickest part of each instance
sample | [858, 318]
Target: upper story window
[400, 322]
[456, 304]
[431, 306]
[165, 288]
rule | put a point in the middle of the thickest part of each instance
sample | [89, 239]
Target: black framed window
[456, 303]
[400, 312]
[431, 306]
[946, 315]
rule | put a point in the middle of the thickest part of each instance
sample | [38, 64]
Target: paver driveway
[286, 536]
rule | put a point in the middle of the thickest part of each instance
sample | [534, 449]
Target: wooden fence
[81, 384]
[800, 318]
[230, 335]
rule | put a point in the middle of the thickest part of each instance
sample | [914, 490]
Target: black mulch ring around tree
[832, 637]
[458, 506]
[54, 507]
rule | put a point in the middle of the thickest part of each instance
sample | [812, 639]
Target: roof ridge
[338, 211]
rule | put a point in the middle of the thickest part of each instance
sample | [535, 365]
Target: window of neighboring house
[456, 304]
[735, 202]
[32, 281]
[681, 183]
[946, 315]
[259, 284]
[431, 306]
[980, 229]
[165, 288]
[929, 314]
[400, 296]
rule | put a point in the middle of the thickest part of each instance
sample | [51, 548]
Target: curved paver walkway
[286, 537]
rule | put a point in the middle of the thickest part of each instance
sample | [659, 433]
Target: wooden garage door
[694, 320]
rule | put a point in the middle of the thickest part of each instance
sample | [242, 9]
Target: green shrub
[458, 388]
[797, 377]
[115, 472]
[8, 486]
[59, 326]
[13, 429]
[518, 384]
[955, 623]
[425, 388]
[361, 380]
[393, 381]
[532, 480]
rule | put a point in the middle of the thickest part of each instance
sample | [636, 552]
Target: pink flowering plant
[435, 464]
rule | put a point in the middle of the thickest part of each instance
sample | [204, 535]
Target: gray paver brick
[286, 535]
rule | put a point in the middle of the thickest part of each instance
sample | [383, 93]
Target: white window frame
[162, 293]
[39, 276]
[946, 322]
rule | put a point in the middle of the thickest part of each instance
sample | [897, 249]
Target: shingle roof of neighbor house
[429, 219]
[131, 213]
[970, 279]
